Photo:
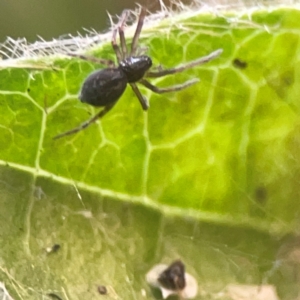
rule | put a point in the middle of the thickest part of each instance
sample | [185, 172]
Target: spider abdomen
[135, 67]
[103, 87]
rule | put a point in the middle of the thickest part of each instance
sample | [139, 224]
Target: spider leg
[142, 99]
[120, 28]
[121, 33]
[107, 62]
[189, 65]
[87, 123]
[173, 88]
[138, 31]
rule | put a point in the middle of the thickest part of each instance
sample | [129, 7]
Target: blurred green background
[54, 18]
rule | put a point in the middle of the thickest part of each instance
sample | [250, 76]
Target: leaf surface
[209, 174]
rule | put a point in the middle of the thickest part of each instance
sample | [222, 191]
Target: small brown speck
[54, 296]
[261, 195]
[239, 64]
[53, 249]
[102, 290]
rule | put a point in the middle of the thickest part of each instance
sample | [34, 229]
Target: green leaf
[209, 174]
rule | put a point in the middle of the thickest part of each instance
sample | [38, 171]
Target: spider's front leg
[134, 44]
[121, 53]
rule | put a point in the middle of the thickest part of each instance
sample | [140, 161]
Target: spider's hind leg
[87, 123]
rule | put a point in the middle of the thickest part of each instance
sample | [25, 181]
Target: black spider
[104, 87]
